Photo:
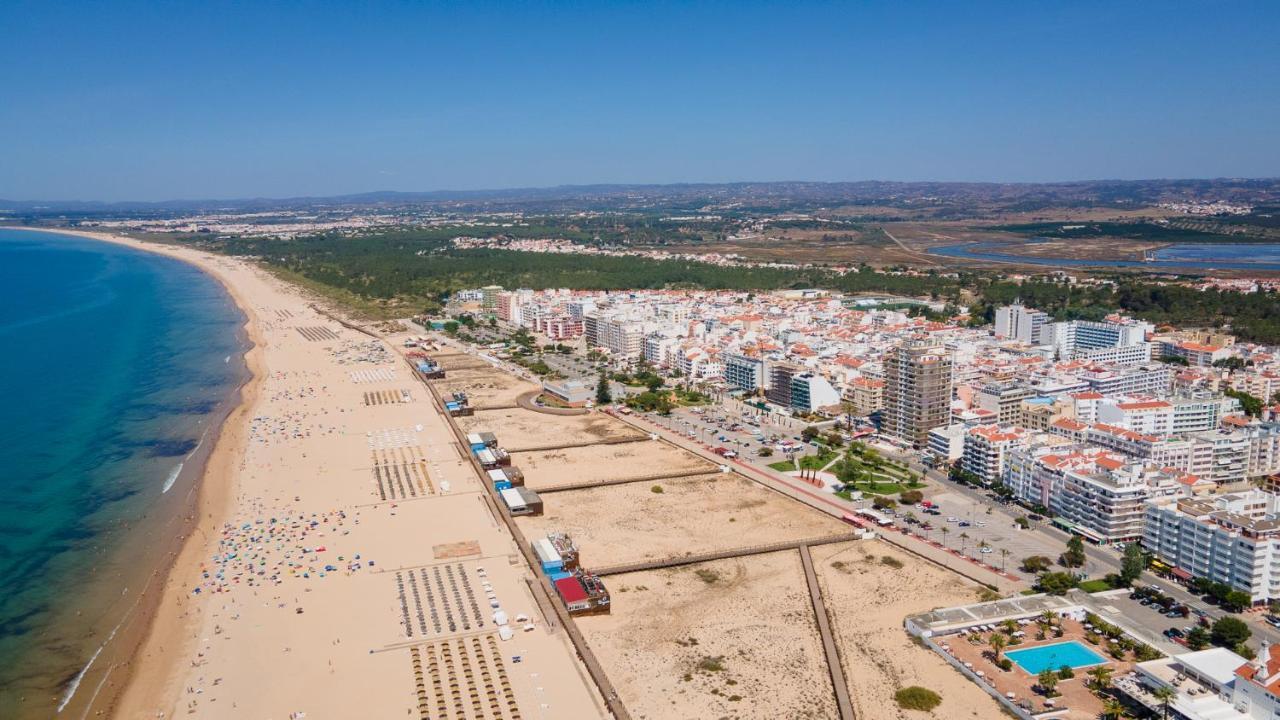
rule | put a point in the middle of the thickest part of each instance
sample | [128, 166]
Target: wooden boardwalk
[581, 443]
[696, 558]
[627, 481]
[844, 705]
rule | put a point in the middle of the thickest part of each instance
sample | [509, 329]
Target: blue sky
[116, 100]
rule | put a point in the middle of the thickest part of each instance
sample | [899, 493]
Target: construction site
[690, 588]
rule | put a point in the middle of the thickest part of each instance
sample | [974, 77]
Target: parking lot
[996, 528]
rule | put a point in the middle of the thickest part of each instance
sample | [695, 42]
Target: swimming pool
[1073, 654]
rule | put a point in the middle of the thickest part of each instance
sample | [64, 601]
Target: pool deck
[1078, 701]
[1029, 658]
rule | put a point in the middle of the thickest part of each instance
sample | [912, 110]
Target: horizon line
[605, 185]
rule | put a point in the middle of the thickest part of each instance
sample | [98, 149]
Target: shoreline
[158, 635]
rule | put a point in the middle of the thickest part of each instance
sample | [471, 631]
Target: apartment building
[946, 443]
[1152, 379]
[780, 376]
[1196, 411]
[917, 392]
[1004, 399]
[1135, 354]
[1106, 502]
[1196, 354]
[985, 447]
[865, 395]
[1020, 323]
[810, 392]
[1037, 413]
[489, 297]
[1150, 417]
[623, 338]
[557, 327]
[744, 373]
[1073, 338]
[1232, 538]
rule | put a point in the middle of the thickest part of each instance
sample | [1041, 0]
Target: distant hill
[751, 195]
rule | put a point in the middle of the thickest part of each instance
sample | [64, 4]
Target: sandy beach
[298, 582]
[344, 561]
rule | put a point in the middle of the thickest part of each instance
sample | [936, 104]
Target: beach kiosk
[521, 501]
[499, 480]
[548, 558]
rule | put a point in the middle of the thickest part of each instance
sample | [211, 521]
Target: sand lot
[704, 513]
[485, 386]
[867, 600]
[517, 428]
[731, 638]
[604, 462]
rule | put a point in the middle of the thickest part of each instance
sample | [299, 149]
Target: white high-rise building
[1233, 539]
[1018, 322]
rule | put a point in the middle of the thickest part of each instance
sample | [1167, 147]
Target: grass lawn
[880, 488]
[808, 462]
[1095, 585]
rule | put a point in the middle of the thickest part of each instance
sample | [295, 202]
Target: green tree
[1251, 405]
[603, 395]
[1132, 564]
[1074, 556]
[1229, 632]
[1237, 600]
[911, 497]
[1036, 564]
[1100, 678]
[1056, 583]
[1112, 709]
[1048, 682]
[998, 642]
[1198, 638]
[1165, 695]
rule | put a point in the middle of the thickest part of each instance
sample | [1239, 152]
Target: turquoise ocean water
[116, 367]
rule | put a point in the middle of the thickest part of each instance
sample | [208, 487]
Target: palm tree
[964, 539]
[1112, 709]
[998, 641]
[1101, 677]
[945, 532]
[1165, 695]
[1004, 555]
